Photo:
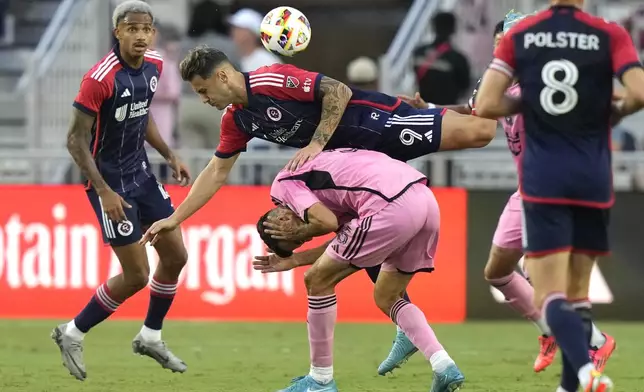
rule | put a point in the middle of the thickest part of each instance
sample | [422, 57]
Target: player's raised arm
[419, 103]
[179, 171]
[491, 98]
[315, 218]
[318, 221]
[275, 263]
[207, 184]
[335, 97]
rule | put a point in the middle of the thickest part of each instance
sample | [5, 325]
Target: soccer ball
[285, 31]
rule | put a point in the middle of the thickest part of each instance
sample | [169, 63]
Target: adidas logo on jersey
[126, 93]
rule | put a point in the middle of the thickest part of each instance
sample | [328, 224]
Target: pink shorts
[508, 232]
[402, 236]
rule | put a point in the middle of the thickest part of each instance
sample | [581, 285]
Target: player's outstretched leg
[403, 348]
[447, 376]
[106, 300]
[163, 287]
[519, 294]
[320, 283]
[505, 253]
[601, 345]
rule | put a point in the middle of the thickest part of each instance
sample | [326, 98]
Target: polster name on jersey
[561, 39]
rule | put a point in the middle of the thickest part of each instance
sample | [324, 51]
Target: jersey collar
[132, 71]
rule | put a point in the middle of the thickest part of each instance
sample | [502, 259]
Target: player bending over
[110, 124]
[384, 215]
[290, 106]
[565, 60]
[507, 249]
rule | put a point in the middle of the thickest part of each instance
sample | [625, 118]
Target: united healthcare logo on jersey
[137, 109]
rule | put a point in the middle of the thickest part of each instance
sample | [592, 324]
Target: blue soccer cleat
[308, 384]
[402, 349]
[448, 381]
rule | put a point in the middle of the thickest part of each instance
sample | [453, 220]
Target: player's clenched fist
[274, 263]
[113, 205]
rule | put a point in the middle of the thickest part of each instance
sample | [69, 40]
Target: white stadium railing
[75, 39]
[474, 169]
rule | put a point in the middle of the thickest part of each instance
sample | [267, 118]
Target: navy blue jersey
[285, 106]
[119, 97]
[565, 60]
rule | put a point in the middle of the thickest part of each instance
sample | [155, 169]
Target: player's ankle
[584, 373]
[150, 335]
[322, 375]
[440, 361]
[73, 332]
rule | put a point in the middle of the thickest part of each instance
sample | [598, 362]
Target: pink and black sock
[100, 307]
[321, 317]
[161, 297]
[414, 324]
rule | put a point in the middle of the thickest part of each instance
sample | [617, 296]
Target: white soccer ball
[285, 31]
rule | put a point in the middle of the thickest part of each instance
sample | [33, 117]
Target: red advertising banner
[52, 259]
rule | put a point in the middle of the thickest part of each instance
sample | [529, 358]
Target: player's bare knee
[384, 298]
[136, 278]
[501, 263]
[316, 284]
[174, 258]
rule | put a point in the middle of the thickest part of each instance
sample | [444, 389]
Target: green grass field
[226, 357]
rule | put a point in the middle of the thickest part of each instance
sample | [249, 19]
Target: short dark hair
[271, 242]
[498, 28]
[201, 61]
[444, 23]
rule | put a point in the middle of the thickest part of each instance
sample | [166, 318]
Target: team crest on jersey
[292, 82]
[274, 113]
[342, 235]
[121, 113]
[153, 83]
[125, 228]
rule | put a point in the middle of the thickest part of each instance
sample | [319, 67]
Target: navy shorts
[150, 203]
[551, 228]
[412, 133]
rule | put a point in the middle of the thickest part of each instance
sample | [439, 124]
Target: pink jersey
[513, 127]
[351, 183]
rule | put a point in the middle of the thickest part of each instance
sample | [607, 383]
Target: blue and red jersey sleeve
[286, 82]
[155, 58]
[622, 50]
[92, 94]
[232, 140]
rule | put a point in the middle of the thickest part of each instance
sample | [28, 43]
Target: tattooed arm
[335, 98]
[78, 140]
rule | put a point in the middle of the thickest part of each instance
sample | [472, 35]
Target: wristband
[431, 105]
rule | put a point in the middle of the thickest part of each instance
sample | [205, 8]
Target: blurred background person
[244, 31]
[442, 72]
[165, 106]
[363, 73]
[199, 123]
